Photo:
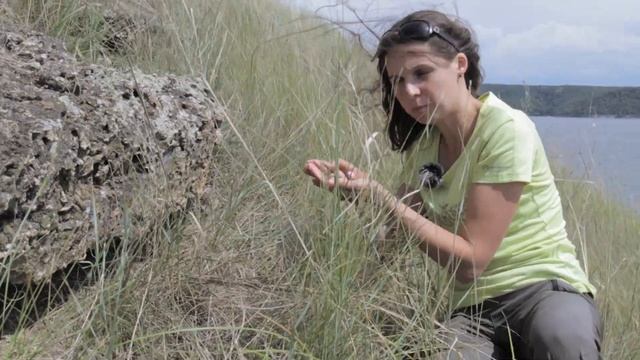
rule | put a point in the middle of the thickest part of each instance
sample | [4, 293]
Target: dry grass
[272, 267]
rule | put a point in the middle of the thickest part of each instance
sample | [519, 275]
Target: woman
[493, 214]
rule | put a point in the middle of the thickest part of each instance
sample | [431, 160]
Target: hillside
[267, 266]
[570, 100]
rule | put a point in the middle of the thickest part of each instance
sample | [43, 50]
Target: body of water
[603, 150]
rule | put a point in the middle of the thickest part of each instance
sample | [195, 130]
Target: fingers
[328, 174]
[345, 166]
[312, 169]
[321, 173]
[350, 171]
[319, 168]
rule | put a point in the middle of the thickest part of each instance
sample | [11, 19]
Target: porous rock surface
[89, 152]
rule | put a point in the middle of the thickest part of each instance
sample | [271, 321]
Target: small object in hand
[349, 175]
[430, 175]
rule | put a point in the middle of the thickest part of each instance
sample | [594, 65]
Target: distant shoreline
[570, 100]
[599, 116]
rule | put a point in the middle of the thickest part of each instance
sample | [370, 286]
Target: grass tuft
[272, 267]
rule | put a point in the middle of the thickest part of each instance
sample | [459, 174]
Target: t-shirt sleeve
[507, 156]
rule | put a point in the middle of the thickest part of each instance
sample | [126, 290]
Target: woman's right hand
[340, 175]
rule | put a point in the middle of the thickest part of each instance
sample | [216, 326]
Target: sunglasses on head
[421, 30]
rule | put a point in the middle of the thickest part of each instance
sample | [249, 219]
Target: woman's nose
[412, 89]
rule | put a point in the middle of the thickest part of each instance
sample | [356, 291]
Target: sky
[537, 42]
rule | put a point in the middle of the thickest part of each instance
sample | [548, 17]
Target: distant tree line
[570, 100]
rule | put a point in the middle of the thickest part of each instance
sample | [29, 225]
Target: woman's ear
[462, 63]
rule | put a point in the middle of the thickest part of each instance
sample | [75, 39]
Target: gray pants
[546, 320]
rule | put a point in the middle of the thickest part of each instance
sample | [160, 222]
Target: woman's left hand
[341, 175]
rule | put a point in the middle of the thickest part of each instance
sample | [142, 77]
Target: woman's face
[426, 85]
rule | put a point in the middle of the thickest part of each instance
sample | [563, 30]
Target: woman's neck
[457, 128]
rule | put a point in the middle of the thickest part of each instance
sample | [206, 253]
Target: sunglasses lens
[417, 30]
[422, 30]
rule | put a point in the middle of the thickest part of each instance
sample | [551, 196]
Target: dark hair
[402, 129]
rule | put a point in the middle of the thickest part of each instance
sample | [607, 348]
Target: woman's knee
[558, 344]
[564, 326]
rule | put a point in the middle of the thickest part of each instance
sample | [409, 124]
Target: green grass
[271, 266]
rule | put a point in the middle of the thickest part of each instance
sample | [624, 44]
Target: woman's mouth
[421, 113]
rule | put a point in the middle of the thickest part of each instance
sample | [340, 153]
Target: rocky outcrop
[89, 153]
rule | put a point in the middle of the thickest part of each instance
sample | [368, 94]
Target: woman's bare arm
[489, 209]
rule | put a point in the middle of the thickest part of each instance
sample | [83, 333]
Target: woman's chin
[425, 118]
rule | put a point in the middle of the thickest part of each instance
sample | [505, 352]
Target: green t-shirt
[504, 147]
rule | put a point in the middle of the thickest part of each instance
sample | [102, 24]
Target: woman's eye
[420, 74]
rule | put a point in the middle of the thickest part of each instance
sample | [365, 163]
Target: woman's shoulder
[495, 114]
